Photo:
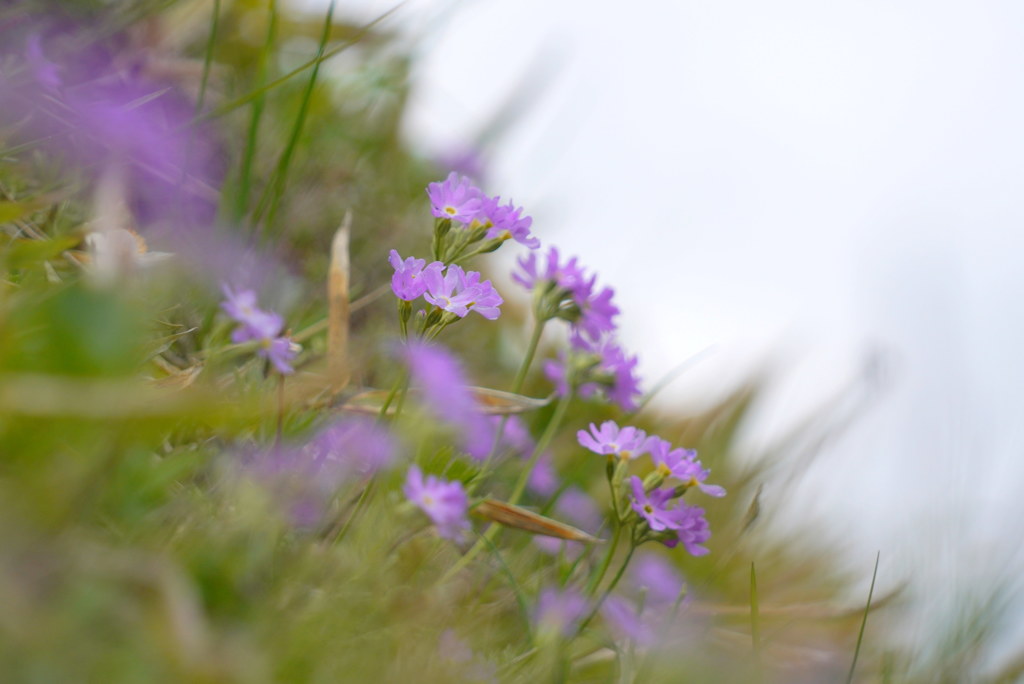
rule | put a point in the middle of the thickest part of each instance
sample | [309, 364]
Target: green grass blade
[249, 97]
[516, 589]
[252, 134]
[208, 56]
[864, 621]
[755, 617]
[275, 189]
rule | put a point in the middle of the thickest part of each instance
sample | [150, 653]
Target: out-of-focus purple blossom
[440, 377]
[515, 436]
[506, 222]
[94, 106]
[280, 351]
[443, 501]
[543, 479]
[656, 578]
[305, 478]
[455, 198]
[261, 326]
[681, 464]
[654, 507]
[568, 276]
[465, 160]
[352, 446]
[621, 615]
[459, 292]
[559, 611]
[576, 506]
[557, 371]
[597, 312]
[241, 307]
[626, 443]
[45, 72]
[454, 649]
[408, 283]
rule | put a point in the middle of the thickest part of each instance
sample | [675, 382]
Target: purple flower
[505, 222]
[45, 72]
[682, 464]
[485, 300]
[444, 502]
[408, 282]
[614, 374]
[597, 312]
[352, 445]
[543, 478]
[559, 611]
[691, 528]
[465, 159]
[626, 623]
[445, 392]
[568, 276]
[653, 507]
[260, 326]
[256, 323]
[455, 198]
[626, 443]
[515, 436]
[459, 292]
[656, 578]
[575, 296]
[576, 506]
[455, 650]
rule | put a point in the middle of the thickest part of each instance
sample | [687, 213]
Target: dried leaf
[534, 523]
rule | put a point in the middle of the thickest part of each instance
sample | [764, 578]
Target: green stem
[531, 351]
[609, 590]
[542, 444]
[517, 387]
[595, 580]
[492, 531]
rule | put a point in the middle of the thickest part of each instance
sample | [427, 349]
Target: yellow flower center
[451, 211]
[664, 470]
[649, 508]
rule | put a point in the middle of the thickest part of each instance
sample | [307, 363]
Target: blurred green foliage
[132, 547]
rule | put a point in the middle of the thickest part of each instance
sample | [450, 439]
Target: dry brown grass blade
[534, 523]
[338, 371]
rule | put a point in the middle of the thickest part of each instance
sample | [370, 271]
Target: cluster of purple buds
[666, 518]
[483, 223]
[595, 363]
[263, 327]
[444, 502]
[564, 290]
[452, 291]
[593, 368]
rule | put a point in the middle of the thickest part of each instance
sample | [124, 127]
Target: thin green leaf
[524, 611]
[249, 97]
[208, 56]
[864, 621]
[275, 189]
[252, 135]
[755, 617]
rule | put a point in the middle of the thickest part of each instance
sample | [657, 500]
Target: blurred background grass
[131, 546]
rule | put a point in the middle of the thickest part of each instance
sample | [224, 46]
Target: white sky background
[801, 181]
